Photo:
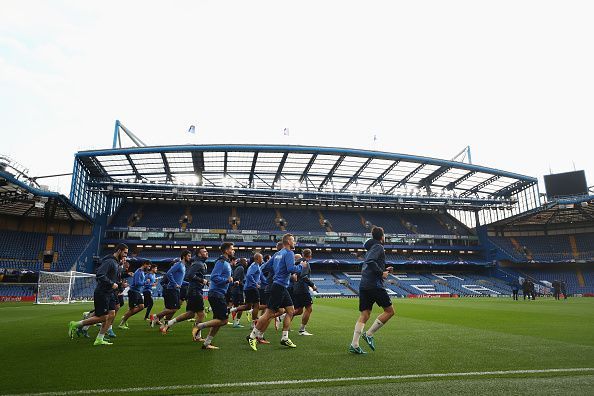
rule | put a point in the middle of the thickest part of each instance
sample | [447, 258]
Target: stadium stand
[210, 217]
[552, 248]
[69, 248]
[257, 219]
[434, 253]
[21, 249]
[301, 220]
[344, 221]
[125, 215]
[159, 215]
[422, 223]
[16, 290]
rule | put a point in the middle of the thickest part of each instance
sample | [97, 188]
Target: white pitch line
[306, 381]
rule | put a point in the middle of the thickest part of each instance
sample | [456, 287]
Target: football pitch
[437, 346]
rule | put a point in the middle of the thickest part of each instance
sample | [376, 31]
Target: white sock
[285, 335]
[302, 328]
[110, 327]
[85, 328]
[234, 309]
[357, 333]
[80, 324]
[254, 333]
[282, 317]
[208, 341]
[374, 327]
[100, 336]
[171, 322]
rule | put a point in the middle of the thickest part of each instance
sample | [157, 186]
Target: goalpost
[64, 287]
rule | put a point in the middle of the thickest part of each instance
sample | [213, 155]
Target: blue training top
[176, 275]
[149, 280]
[219, 277]
[252, 277]
[138, 280]
[284, 265]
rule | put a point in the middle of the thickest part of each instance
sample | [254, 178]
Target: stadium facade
[453, 228]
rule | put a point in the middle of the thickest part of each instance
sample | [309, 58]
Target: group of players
[272, 288]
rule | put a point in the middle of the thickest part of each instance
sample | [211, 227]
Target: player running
[237, 296]
[303, 301]
[172, 288]
[220, 278]
[194, 301]
[103, 297]
[284, 265]
[252, 285]
[372, 291]
[147, 291]
[135, 298]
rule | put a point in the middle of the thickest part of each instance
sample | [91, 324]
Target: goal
[65, 287]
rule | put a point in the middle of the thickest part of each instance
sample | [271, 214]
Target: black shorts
[119, 299]
[302, 300]
[229, 295]
[134, 298]
[264, 296]
[279, 298]
[195, 301]
[148, 298]
[252, 296]
[183, 293]
[171, 298]
[368, 297]
[218, 305]
[104, 302]
[237, 296]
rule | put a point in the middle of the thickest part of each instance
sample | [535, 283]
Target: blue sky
[513, 79]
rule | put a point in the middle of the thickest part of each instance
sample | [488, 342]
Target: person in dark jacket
[229, 293]
[556, 289]
[372, 291]
[237, 297]
[103, 297]
[303, 301]
[147, 291]
[564, 289]
[251, 290]
[532, 290]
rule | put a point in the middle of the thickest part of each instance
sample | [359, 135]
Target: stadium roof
[20, 199]
[301, 168]
[563, 211]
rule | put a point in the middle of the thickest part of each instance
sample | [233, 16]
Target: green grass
[425, 336]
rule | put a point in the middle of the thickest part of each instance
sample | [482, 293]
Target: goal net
[65, 287]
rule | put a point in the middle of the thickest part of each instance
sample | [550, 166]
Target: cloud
[513, 80]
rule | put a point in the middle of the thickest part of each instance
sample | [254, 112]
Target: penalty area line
[310, 381]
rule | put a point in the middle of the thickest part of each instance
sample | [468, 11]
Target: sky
[512, 79]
